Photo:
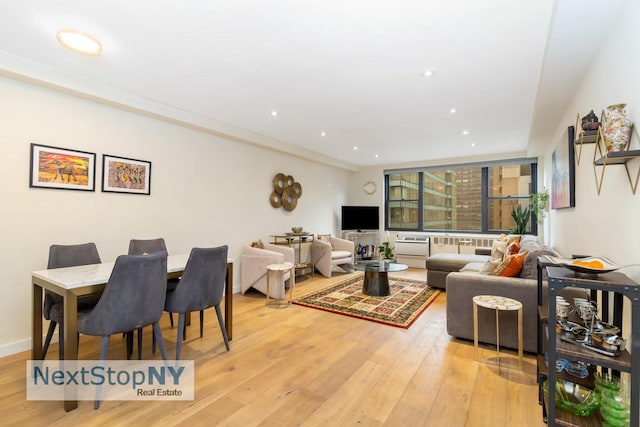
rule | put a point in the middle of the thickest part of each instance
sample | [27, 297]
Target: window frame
[485, 197]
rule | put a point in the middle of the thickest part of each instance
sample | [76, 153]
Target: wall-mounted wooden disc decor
[286, 192]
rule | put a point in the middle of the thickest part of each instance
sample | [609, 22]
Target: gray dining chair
[61, 256]
[144, 247]
[201, 286]
[134, 297]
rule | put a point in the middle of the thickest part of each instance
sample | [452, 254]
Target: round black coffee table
[376, 279]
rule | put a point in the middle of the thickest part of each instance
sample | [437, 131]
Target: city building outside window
[469, 198]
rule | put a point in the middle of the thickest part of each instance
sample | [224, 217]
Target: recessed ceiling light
[377, 156]
[355, 148]
[473, 144]
[427, 73]
[452, 111]
[465, 132]
[274, 113]
[323, 134]
[79, 42]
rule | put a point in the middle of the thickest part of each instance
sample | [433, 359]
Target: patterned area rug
[408, 299]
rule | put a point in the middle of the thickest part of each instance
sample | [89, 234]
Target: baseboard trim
[15, 347]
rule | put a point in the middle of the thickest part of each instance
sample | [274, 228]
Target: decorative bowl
[606, 382]
[574, 398]
[614, 408]
[609, 342]
[605, 328]
[577, 369]
[297, 230]
[589, 265]
[561, 363]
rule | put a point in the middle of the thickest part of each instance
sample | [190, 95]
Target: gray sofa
[464, 285]
[440, 265]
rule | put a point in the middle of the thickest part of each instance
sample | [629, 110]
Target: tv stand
[365, 243]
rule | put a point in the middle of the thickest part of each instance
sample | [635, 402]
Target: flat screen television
[360, 218]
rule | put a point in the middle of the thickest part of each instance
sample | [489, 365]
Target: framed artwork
[123, 175]
[61, 168]
[563, 174]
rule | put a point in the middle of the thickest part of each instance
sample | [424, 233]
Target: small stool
[498, 304]
[279, 269]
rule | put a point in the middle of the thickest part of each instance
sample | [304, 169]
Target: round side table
[279, 270]
[498, 304]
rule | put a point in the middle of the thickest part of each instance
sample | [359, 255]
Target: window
[403, 201]
[468, 198]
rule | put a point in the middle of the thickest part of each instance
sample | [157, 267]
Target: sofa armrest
[483, 251]
[286, 251]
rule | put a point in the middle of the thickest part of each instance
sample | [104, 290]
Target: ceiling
[352, 69]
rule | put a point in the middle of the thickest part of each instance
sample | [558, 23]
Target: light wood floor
[300, 366]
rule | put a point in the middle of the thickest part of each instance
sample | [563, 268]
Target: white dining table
[72, 282]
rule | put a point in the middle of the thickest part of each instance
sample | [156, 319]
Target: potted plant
[540, 205]
[386, 251]
[520, 217]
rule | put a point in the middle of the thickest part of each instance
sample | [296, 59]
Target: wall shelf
[613, 158]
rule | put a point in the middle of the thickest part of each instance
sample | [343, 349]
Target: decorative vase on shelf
[590, 121]
[617, 128]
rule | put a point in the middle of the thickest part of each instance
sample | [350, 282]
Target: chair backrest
[61, 256]
[142, 247]
[133, 297]
[202, 282]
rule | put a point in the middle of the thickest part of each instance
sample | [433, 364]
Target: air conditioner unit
[412, 249]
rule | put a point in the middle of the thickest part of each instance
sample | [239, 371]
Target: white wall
[607, 224]
[205, 191]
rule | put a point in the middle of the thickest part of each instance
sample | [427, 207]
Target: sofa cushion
[473, 267]
[452, 262]
[340, 254]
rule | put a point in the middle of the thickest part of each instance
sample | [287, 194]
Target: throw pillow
[513, 265]
[498, 249]
[510, 237]
[324, 238]
[513, 248]
[489, 266]
[257, 244]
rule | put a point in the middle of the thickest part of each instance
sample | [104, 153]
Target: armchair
[254, 263]
[332, 251]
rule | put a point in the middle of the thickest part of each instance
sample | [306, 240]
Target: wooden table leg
[498, 336]
[520, 338]
[70, 344]
[475, 329]
[36, 324]
[228, 301]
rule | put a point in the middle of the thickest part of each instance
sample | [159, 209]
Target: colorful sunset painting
[60, 168]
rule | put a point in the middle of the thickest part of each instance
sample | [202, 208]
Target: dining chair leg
[201, 323]
[222, 327]
[47, 340]
[104, 353]
[171, 318]
[158, 333]
[129, 344]
[181, 321]
[153, 341]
